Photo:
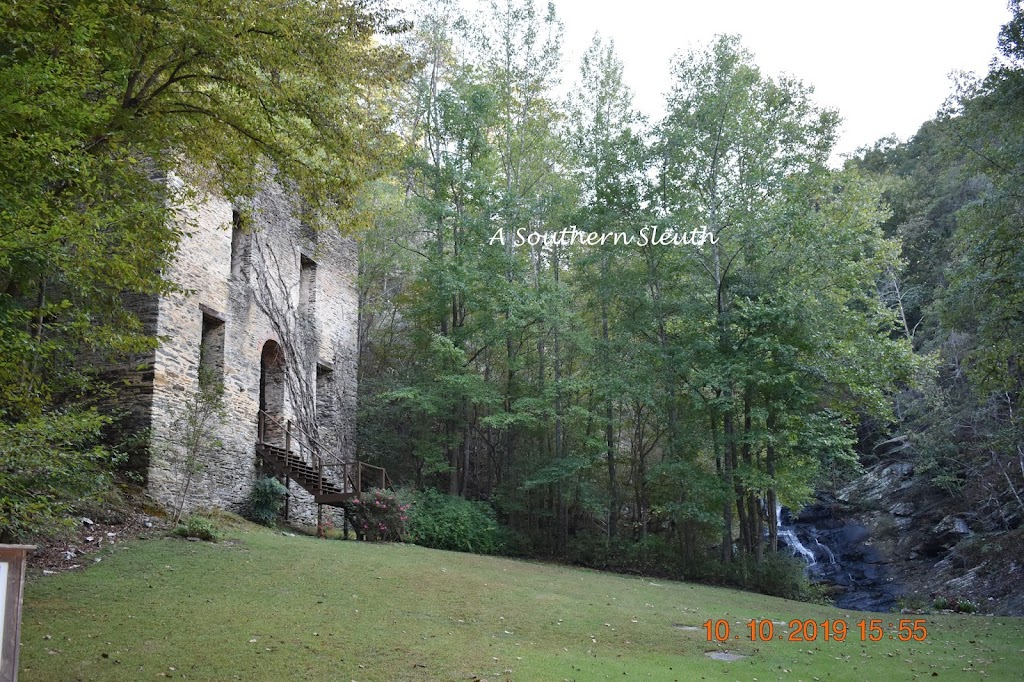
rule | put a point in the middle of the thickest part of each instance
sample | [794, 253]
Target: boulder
[945, 535]
[878, 485]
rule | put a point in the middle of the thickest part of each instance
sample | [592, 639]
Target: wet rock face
[888, 535]
[848, 557]
[854, 537]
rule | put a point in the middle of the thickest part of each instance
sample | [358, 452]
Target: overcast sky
[884, 64]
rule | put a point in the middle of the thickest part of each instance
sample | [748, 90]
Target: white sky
[884, 64]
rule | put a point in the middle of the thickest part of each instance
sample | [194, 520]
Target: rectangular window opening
[211, 352]
[240, 246]
[325, 399]
[307, 285]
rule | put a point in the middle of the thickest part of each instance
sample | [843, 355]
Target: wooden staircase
[329, 482]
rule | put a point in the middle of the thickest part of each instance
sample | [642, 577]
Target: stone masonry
[269, 307]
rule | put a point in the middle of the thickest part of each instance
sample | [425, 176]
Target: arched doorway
[272, 393]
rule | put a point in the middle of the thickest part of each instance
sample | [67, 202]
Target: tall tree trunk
[609, 426]
[464, 446]
[748, 513]
[453, 459]
[721, 464]
[729, 459]
[771, 501]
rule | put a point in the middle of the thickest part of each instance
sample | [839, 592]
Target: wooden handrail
[317, 461]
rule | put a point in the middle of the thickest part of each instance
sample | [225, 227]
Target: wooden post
[12, 580]
[359, 478]
[288, 438]
[320, 472]
[261, 427]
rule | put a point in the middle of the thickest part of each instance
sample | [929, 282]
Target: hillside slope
[264, 606]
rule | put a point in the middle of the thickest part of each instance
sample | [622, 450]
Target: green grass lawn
[269, 607]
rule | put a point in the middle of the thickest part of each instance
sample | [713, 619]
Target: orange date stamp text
[836, 630]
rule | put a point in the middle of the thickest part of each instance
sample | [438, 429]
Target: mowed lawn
[264, 606]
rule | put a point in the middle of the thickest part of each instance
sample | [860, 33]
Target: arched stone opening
[272, 393]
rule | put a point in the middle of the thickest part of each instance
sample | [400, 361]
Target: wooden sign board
[12, 579]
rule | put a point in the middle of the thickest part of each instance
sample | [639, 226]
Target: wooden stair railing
[310, 475]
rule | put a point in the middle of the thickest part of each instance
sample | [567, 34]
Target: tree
[609, 162]
[783, 323]
[673, 391]
[987, 278]
[982, 304]
[197, 420]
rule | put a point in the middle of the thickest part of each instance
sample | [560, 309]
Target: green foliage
[48, 464]
[446, 522]
[787, 341]
[957, 604]
[966, 606]
[912, 603]
[777, 575]
[378, 515]
[198, 527]
[650, 556]
[954, 189]
[266, 500]
[621, 405]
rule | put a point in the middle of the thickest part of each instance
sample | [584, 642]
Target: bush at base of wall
[445, 522]
[266, 500]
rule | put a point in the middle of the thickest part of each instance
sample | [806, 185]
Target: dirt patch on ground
[724, 656]
[80, 546]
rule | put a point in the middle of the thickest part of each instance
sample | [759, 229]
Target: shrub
[266, 500]
[778, 575]
[966, 606]
[957, 604]
[48, 464]
[445, 522]
[653, 555]
[377, 515]
[198, 527]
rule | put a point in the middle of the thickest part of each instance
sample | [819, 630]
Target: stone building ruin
[269, 310]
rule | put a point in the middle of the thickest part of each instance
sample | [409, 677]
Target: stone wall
[252, 275]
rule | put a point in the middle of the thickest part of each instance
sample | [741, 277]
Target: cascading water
[788, 535]
[838, 552]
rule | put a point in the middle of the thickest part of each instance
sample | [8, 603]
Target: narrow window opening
[307, 286]
[325, 398]
[240, 246]
[211, 352]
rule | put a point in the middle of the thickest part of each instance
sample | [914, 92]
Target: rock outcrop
[894, 541]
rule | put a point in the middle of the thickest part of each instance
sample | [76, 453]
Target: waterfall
[834, 547]
[792, 541]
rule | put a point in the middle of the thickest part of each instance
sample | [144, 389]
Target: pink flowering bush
[377, 515]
